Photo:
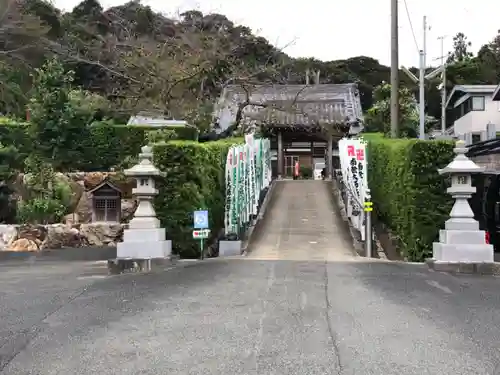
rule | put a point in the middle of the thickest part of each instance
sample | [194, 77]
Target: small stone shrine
[462, 246]
[106, 202]
[144, 239]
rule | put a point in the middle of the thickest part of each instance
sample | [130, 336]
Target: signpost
[368, 207]
[353, 161]
[200, 226]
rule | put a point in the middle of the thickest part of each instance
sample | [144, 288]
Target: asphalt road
[319, 310]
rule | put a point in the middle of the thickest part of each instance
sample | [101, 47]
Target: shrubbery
[104, 145]
[49, 197]
[195, 180]
[306, 172]
[408, 193]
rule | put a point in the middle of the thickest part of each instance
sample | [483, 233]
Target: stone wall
[55, 236]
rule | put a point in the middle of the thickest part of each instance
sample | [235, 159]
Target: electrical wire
[411, 25]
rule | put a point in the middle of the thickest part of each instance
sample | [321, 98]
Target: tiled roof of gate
[291, 105]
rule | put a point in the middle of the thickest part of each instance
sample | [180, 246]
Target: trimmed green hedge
[195, 180]
[408, 193]
[105, 145]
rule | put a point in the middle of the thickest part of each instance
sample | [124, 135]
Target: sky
[332, 30]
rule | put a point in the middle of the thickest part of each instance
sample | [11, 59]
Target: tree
[56, 125]
[9, 158]
[22, 37]
[141, 60]
[378, 117]
[49, 197]
[461, 48]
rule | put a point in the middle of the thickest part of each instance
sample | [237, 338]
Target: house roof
[290, 105]
[460, 90]
[154, 118]
[496, 94]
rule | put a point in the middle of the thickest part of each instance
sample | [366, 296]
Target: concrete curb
[163, 265]
[266, 200]
[66, 254]
[464, 267]
[260, 216]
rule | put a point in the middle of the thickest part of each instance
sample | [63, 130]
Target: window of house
[478, 103]
[476, 138]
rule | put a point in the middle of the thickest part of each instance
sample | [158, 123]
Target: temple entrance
[290, 161]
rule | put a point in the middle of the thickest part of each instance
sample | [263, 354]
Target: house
[301, 120]
[485, 203]
[154, 119]
[470, 108]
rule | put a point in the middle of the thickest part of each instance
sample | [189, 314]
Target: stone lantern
[144, 239]
[462, 246]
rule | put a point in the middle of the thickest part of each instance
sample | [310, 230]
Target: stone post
[462, 246]
[144, 239]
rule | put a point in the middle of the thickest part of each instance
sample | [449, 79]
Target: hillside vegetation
[136, 59]
[132, 58]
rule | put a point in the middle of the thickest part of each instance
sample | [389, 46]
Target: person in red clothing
[296, 172]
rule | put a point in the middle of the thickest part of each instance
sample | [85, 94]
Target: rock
[84, 208]
[60, 235]
[8, 234]
[92, 179]
[77, 189]
[55, 236]
[102, 234]
[32, 232]
[128, 208]
[23, 244]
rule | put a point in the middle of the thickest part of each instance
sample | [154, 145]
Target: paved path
[297, 313]
[301, 224]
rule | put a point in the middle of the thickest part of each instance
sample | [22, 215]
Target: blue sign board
[200, 219]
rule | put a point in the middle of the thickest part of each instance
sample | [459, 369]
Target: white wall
[476, 121]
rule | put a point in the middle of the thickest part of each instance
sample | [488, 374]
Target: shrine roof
[291, 105]
[104, 183]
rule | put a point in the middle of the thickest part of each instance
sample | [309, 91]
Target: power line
[411, 25]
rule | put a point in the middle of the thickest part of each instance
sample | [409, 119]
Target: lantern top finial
[461, 164]
[145, 167]
[460, 148]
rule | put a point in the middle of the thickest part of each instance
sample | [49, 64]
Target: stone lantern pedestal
[144, 239]
[462, 246]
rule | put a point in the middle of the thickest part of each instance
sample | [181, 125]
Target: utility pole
[394, 70]
[424, 45]
[421, 81]
[421, 91]
[443, 87]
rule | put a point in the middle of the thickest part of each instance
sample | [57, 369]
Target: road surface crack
[331, 332]
[23, 338]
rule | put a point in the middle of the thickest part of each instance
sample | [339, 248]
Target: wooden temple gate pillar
[280, 155]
